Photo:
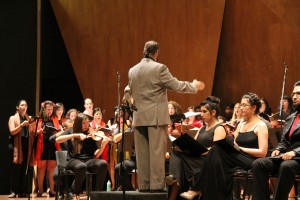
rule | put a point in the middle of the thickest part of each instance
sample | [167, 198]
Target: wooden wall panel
[258, 36]
[103, 37]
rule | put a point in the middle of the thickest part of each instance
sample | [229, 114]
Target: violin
[30, 119]
[231, 125]
[95, 134]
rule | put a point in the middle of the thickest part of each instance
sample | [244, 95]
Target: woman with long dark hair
[83, 153]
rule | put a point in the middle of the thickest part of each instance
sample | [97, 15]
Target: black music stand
[126, 108]
[29, 180]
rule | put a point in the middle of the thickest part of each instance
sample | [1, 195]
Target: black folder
[278, 158]
[51, 128]
[189, 145]
[228, 145]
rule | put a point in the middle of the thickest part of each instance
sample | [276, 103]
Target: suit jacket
[293, 143]
[148, 84]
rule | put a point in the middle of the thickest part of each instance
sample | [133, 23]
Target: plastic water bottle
[108, 186]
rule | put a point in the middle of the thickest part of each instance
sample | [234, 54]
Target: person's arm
[53, 137]
[100, 150]
[219, 133]
[283, 144]
[172, 83]
[262, 133]
[15, 129]
[117, 137]
[63, 138]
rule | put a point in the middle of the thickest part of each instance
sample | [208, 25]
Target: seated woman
[185, 169]
[192, 121]
[83, 154]
[251, 135]
[174, 109]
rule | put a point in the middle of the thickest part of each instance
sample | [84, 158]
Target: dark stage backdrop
[18, 36]
[17, 70]
[58, 81]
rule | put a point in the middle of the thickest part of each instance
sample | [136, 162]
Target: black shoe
[70, 196]
[120, 188]
[24, 195]
[61, 196]
[12, 195]
[39, 194]
[51, 194]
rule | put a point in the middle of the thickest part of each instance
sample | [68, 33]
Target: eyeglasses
[295, 93]
[244, 105]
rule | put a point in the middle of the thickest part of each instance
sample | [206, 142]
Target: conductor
[148, 85]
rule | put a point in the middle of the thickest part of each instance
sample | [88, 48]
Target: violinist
[68, 126]
[22, 133]
[264, 112]
[277, 121]
[96, 125]
[83, 154]
[235, 119]
[117, 128]
[174, 109]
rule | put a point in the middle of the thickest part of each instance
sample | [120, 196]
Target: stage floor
[5, 197]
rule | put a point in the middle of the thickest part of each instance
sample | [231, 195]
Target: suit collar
[148, 60]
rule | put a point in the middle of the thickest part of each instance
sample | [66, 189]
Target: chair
[61, 161]
[245, 175]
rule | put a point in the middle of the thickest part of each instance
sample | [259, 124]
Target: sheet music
[172, 138]
[191, 114]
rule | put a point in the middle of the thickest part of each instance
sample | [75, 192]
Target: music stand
[126, 108]
[29, 180]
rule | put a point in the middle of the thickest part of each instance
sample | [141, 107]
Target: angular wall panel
[103, 37]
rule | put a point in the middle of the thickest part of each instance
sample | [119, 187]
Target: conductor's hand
[198, 84]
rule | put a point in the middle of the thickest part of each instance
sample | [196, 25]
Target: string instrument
[231, 125]
[96, 134]
[30, 119]
[32, 126]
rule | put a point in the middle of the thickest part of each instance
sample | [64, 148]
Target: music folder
[189, 145]
[279, 158]
[51, 128]
[228, 145]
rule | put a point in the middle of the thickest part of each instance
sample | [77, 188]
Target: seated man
[286, 165]
[128, 165]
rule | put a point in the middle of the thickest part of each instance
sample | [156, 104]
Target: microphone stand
[30, 178]
[282, 92]
[122, 170]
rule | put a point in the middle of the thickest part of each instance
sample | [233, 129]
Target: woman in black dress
[185, 169]
[83, 154]
[251, 135]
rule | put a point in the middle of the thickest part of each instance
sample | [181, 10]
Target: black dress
[216, 181]
[186, 168]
